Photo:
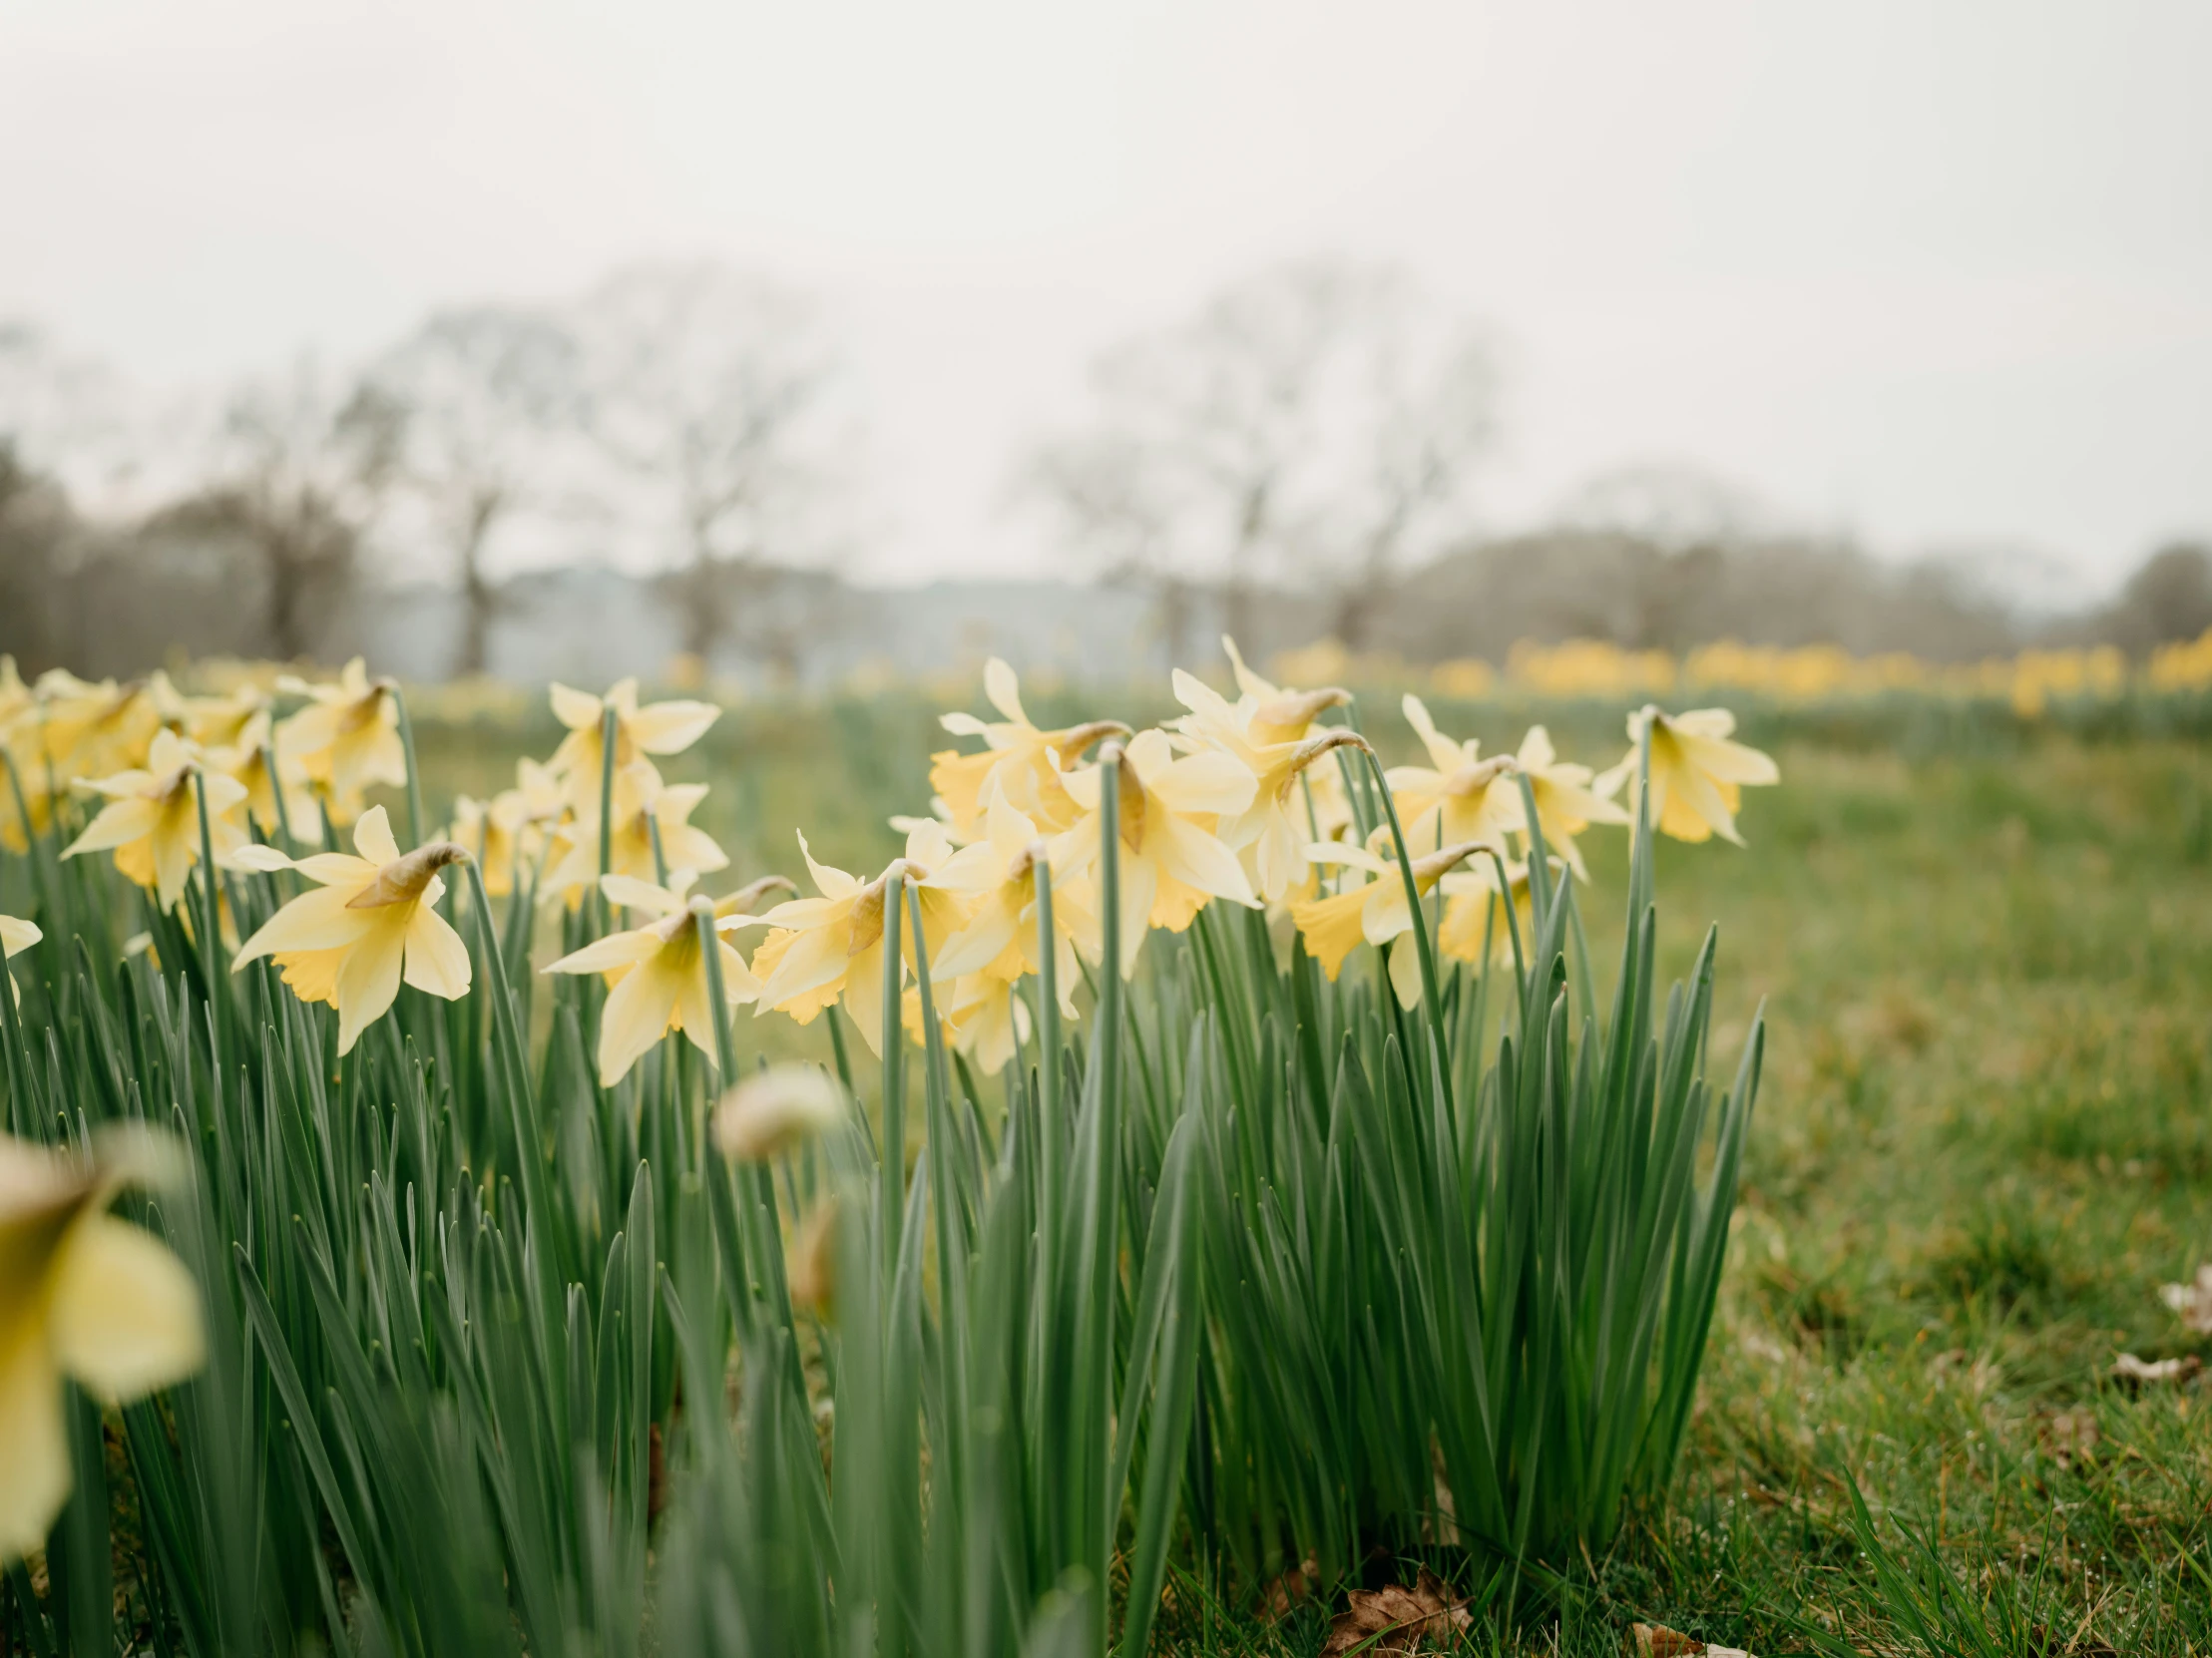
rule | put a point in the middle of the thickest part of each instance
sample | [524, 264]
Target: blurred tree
[1318, 424]
[488, 402]
[709, 390]
[298, 473]
[36, 525]
[2168, 597]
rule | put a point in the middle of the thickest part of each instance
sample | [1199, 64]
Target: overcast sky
[1939, 272]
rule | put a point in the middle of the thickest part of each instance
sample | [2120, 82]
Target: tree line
[1302, 457]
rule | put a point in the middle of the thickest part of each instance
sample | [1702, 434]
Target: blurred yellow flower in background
[345, 739]
[371, 920]
[662, 729]
[151, 820]
[658, 973]
[1697, 772]
[251, 757]
[84, 1296]
[643, 803]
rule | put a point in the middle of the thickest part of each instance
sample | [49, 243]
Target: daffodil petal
[34, 1443]
[437, 960]
[368, 977]
[372, 837]
[126, 1312]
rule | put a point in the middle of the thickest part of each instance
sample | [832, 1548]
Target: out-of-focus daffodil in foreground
[777, 1110]
[371, 921]
[84, 1296]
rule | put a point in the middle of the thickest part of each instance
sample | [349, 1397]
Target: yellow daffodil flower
[980, 1014]
[16, 937]
[223, 721]
[642, 802]
[251, 757]
[1565, 803]
[1457, 796]
[82, 1295]
[998, 939]
[93, 730]
[1281, 713]
[824, 946]
[151, 820]
[1025, 762]
[659, 972]
[662, 729]
[371, 920]
[1271, 835]
[1171, 859]
[1374, 911]
[345, 739]
[1472, 911]
[1698, 773]
[777, 1111]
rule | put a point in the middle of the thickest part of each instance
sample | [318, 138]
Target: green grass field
[1984, 1141]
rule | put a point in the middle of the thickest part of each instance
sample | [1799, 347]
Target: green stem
[210, 935]
[891, 1185]
[1429, 990]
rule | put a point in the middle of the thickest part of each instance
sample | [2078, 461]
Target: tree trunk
[479, 599]
[287, 578]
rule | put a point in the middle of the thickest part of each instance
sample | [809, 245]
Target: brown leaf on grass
[2193, 1300]
[1398, 1619]
[1289, 1589]
[1646, 1640]
[2145, 1372]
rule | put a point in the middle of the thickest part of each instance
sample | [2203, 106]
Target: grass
[1983, 1139]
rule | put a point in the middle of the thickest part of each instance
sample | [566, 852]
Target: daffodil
[151, 820]
[659, 973]
[1457, 796]
[1565, 802]
[999, 938]
[825, 945]
[777, 1110]
[371, 920]
[345, 739]
[1024, 762]
[1270, 836]
[92, 730]
[83, 1294]
[1697, 772]
[1473, 911]
[1374, 911]
[980, 1014]
[1284, 713]
[16, 937]
[1171, 860]
[642, 804]
[251, 757]
[662, 729]
[223, 721]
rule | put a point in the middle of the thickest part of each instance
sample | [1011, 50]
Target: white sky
[1937, 271]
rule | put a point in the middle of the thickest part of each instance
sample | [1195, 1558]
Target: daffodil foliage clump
[1241, 1162]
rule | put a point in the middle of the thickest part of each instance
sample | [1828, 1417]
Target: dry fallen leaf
[1657, 1641]
[2193, 1300]
[1397, 1619]
[1290, 1588]
[2128, 1367]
